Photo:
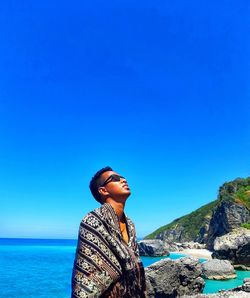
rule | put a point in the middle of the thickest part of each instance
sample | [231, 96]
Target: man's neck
[118, 207]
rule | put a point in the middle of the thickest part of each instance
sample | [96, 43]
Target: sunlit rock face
[234, 246]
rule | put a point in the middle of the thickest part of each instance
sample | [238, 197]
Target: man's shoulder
[93, 217]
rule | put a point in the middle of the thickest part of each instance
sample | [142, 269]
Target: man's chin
[128, 193]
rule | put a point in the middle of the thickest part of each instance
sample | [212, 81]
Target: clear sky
[158, 90]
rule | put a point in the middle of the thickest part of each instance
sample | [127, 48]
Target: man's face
[115, 188]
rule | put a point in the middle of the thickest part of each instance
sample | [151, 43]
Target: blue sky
[158, 90]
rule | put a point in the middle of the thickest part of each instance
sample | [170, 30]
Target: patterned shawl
[105, 265]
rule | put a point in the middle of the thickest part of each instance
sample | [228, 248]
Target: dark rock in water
[227, 294]
[218, 270]
[234, 246]
[239, 292]
[174, 278]
[227, 216]
[153, 248]
[245, 287]
[241, 267]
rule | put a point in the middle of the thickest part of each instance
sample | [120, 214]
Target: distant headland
[229, 211]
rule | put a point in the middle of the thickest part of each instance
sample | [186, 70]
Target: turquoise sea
[42, 269]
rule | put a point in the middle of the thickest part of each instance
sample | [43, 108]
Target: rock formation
[190, 245]
[218, 270]
[226, 217]
[153, 248]
[174, 278]
[234, 246]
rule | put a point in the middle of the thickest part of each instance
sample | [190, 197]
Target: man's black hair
[95, 183]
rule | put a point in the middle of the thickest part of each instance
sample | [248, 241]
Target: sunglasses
[112, 178]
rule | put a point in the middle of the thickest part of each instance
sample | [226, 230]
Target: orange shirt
[124, 231]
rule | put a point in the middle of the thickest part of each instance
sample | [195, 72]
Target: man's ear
[102, 191]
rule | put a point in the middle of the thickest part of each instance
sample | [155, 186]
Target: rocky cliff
[228, 216]
[229, 211]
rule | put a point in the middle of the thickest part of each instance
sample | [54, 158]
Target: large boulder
[218, 270]
[234, 246]
[173, 278]
[153, 248]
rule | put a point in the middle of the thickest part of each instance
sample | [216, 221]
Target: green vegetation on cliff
[237, 190]
[246, 225]
[191, 224]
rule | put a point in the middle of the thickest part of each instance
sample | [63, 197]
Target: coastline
[196, 253]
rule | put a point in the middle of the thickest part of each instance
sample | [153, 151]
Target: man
[107, 262]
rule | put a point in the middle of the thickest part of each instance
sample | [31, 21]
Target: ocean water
[42, 269]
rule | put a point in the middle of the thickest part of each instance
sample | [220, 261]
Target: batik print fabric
[106, 266]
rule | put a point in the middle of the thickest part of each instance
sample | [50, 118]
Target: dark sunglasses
[112, 178]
